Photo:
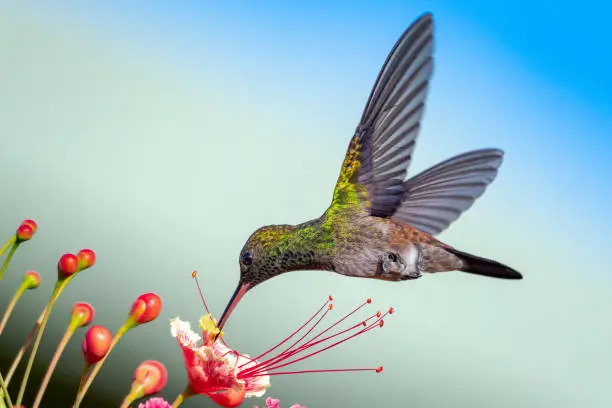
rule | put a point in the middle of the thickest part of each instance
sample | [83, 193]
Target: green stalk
[136, 392]
[4, 391]
[8, 259]
[59, 286]
[187, 392]
[11, 306]
[83, 377]
[24, 346]
[8, 244]
[60, 349]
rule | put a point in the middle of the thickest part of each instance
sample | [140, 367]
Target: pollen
[194, 274]
[209, 327]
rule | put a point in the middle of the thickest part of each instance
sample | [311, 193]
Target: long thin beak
[238, 294]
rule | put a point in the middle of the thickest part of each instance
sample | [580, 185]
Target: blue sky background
[205, 120]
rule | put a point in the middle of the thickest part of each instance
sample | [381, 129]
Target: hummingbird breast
[361, 245]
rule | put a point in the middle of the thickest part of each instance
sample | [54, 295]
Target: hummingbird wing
[436, 197]
[378, 156]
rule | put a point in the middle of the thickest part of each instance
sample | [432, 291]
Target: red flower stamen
[329, 299]
[290, 354]
[194, 275]
[272, 364]
[311, 342]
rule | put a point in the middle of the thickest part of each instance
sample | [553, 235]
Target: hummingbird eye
[247, 258]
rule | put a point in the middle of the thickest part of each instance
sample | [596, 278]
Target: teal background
[161, 134]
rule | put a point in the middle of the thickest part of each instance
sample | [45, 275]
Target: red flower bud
[152, 375]
[31, 280]
[146, 308]
[31, 223]
[86, 258]
[67, 265]
[24, 233]
[96, 344]
[83, 313]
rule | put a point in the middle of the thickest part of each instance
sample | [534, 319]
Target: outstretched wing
[376, 163]
[436, 197]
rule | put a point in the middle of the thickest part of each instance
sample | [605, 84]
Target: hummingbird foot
[391, 264]
[394, 266]
[411, 276]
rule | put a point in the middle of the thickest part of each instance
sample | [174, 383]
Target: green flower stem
[136, 392]
[59, 287]
[24, 346]
[10, 242]
[129, 324]
[11, 305]
[60, 349]
[8, 258]
[4, 391]
[83, 377]
[187, 392]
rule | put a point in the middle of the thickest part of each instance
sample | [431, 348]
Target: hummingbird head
[267, 253]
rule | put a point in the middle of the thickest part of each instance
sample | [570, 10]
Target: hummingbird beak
[238, 294]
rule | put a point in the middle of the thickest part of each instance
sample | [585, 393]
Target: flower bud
[96, 344]
[24, 233]
[31, 223]
[152, 375]
[82, 314]
[31, 280]
[67, 265]
[86, 258]
[146, 308]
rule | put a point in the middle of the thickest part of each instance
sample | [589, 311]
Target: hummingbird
[379, 224]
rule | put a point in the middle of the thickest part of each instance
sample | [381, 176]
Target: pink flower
[272, 403]
[228, 377]
[213, 368]
[275, 403]
[155, 403]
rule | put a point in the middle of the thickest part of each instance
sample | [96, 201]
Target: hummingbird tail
[485, 267]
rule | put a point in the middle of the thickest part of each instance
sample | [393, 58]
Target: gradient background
[162, 135]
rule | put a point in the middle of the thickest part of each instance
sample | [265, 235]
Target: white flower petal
[258, 386]
[182, 331]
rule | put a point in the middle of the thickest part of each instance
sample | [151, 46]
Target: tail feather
[485, 267]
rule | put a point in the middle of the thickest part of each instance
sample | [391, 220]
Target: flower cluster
[214, 369]
[150, 376]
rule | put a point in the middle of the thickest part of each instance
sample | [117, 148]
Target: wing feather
[436, 197]
[381, 149]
